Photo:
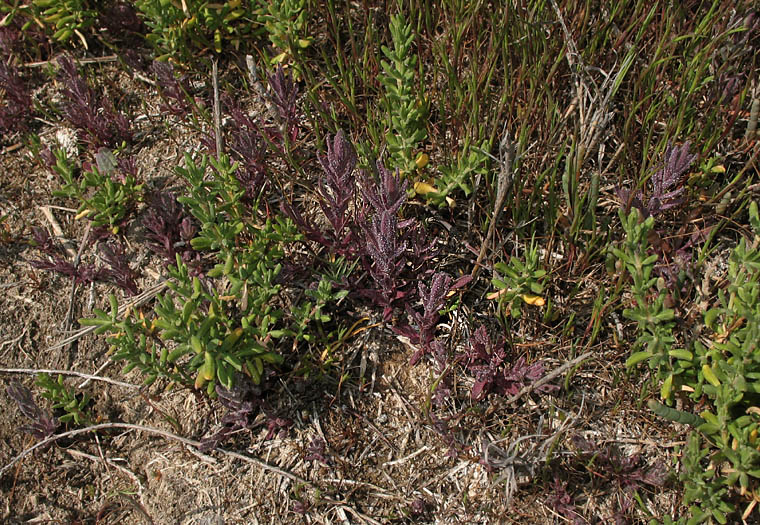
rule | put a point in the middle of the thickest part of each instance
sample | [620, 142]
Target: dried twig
[89, 377]
[82, 61]
[261, 91]
[143, 298]
[58, 231]
[110, 462]
[549, 377]
[70, 312]
[506, 152]
[217, 110]
[185, 441]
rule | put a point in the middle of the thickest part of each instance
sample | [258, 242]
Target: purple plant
[173, 90]
[116, 272]
[18, 101]
[317, 450]
[9, 39]
[169, 231]
[677, 162]
[336, 191]
[95, 117]
[121, 20]
[442, 428]
[248, 148]
[384, 243]
[443, 369]
[276, 426]
[433, 300]
[385, 250]
[562, 503]
[285, 98]
[629, 473]
[487, 362]
[243, 402]
[666, 183]
[82, 273]
[338, 188]
[388, 194]
[43, 424]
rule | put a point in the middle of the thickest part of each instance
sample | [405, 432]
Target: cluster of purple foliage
[422, 330]
[629, 473]
[169, 230]
[734, 61]
[335, 193]
[249, 148]
[173, 90]
[667, 191]
[116, 270]
[487, 362]
[243, 403]
[251, 139]
[285, 99]
[385, 255]
[18, 101]
[394, 252]
[317, 450]
[563, 503]
[98, 122]
[43, 424]
[16, 40]
[667, 182]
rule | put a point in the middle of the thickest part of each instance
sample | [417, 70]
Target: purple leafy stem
[666, 182]
[487, 362]
[18, 101]
[116, 271]
[94, 116]
[173, 90]
[43, 424]
[433, 300]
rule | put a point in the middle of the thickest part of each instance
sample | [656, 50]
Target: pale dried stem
[217, 110]
[89, 377]
[504, 183]
[143, 298]
[550, 376]
[58, 231]
[185, 441]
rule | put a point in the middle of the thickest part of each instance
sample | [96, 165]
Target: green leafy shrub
[74, 406]
[106, 192]
[184, 31]
[654, 321]
[519, 282]
[60, 19]
[402, 104]
[721, 371]
[458, 176]
[227, 322]
[285, 23]
[209, 328]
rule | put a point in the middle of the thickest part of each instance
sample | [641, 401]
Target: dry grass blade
[89, 377]
[139, 300]
[504, 183]
[129, 426]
